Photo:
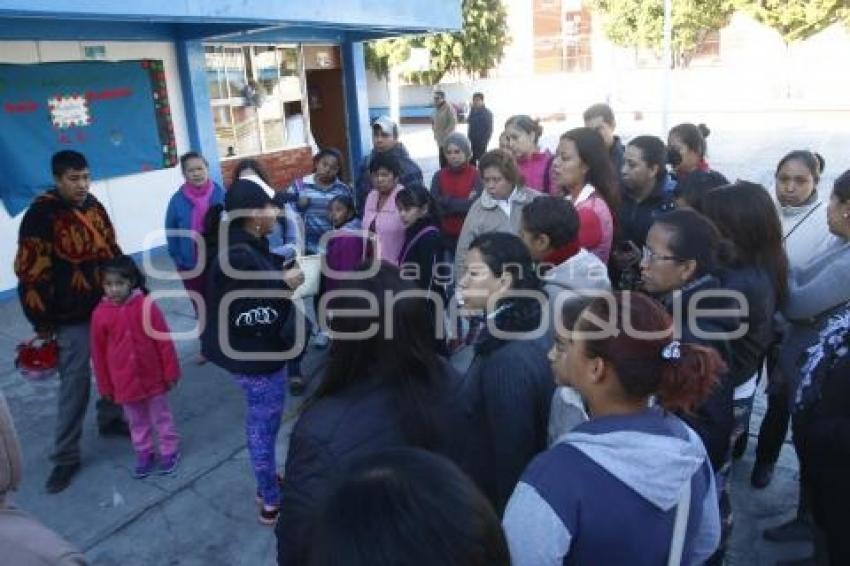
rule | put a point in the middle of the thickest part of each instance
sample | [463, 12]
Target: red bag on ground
[37, 359]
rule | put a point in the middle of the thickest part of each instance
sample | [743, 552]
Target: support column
[356, 103]
[196, 101]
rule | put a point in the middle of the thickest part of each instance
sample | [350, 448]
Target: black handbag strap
[802, 220]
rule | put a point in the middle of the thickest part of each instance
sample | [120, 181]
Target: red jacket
[129, 364]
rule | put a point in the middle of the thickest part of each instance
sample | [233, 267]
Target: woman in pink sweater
[380, 215]
[135, 363]
[522, 135]
[582, 170]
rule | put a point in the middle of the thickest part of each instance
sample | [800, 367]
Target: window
[562, 36]
[256, 92]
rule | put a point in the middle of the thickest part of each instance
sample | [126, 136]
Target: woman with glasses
[680, 266]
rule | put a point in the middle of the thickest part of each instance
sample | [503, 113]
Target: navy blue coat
[508, 390]
[712, 419]
[335, 432]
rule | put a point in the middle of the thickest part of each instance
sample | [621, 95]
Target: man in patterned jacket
[64, 237]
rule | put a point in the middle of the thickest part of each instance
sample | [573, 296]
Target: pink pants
[146, 415]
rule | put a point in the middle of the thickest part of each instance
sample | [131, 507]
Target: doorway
[326, 96]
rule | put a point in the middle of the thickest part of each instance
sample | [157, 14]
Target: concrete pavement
[205, 513]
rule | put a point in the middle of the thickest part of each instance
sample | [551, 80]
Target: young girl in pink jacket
[135, 363]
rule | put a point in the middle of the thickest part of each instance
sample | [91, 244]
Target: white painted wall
[757, 72]
[136, 203]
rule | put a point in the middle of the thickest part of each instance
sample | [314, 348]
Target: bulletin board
[115, 113]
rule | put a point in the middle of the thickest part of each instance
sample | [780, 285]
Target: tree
[640, 23]
[478, 47]
[796, 19]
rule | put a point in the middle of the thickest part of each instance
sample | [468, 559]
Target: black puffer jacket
[713, 419]
[339, 429]
[748, 352]
[636, 217]
[253, 324]
[508, 391]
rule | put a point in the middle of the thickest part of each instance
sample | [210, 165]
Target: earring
[257, 227]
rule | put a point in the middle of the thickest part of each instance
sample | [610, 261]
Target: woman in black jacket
[681, 260]
[423, 247]
[248, 321]
[745, 215]
[821, 410]
[384, 387]
[509, 386]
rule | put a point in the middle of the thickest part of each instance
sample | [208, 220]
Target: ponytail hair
[416, 195]
[637, 342]
[527, 124]
[690, 379]
[692, 135]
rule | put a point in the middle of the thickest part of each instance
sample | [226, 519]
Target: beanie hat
[246, 194]
[460, 141]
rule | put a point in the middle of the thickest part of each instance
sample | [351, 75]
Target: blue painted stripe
[43, 29]
[412, 15]
[356, 103]
[404, 111]
[196, 101]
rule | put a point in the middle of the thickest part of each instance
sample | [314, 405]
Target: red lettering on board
[109, 94]
[20, 107]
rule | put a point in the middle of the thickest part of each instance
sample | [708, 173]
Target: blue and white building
[305, 58]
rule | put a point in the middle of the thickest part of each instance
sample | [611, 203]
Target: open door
[326, 96]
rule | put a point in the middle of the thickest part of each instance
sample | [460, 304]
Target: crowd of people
[622, 302]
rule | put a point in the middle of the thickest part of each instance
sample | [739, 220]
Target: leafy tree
[796, 19]
[640, 23]
[478, 47]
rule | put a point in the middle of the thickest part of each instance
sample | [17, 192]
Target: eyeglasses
[651, 256]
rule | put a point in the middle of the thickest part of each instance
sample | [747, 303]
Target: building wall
[136, 203]
[282, 167]
[754, 72]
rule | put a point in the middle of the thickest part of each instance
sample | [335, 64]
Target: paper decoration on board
[67, 111]
[116, 113]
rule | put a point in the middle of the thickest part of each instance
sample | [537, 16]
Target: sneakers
[297, 385]
[167, 464]
[762, 475]
[60, 477]
[269, 514]
[145, 464]
[279, 484]
[797, 529]
[114, 428]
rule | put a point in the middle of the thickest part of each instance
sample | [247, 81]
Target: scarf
[833, 345]
[557, 256]
[200, 199]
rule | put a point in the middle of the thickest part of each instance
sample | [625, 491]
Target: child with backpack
[135, 363]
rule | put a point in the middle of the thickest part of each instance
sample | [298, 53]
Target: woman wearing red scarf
[184, 222]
